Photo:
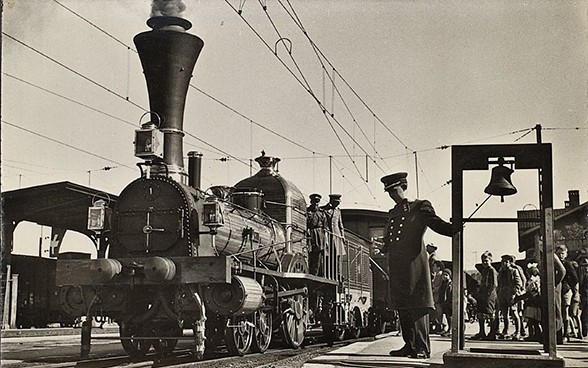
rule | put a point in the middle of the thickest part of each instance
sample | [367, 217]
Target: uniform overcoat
[335, 225]
[408, 266]
[316, 222]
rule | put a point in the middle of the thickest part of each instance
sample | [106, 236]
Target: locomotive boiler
[227, 263]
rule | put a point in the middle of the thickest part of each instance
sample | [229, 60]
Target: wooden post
[6, 309]
[13, 300]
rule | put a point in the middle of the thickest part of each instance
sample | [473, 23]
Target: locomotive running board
[189, 270]
[289, 275]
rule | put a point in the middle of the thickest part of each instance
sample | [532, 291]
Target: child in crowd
[532, 298]
[436, 315]
[509, 285]
[447, 299]
[487, 298]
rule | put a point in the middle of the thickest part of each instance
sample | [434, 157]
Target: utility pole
[538, 131]
[416, 173]
[330, 174]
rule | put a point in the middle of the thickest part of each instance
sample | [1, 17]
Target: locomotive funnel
[168, 55]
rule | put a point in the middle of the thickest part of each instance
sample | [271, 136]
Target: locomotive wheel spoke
[294, 321]
[134, 346]
[263, 331]
[166, 346]
[239, 335]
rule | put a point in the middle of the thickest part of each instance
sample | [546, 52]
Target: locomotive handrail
[294, 207]
[151, 163]
[268, 246]
[373, 261]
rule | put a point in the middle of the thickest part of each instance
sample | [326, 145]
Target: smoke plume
[172, 8]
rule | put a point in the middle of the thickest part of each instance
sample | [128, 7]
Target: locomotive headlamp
[212, 215]
[147, 141]
[97, 215]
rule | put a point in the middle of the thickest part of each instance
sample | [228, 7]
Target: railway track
[183, 358]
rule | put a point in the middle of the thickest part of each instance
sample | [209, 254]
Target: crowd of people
[510, 294]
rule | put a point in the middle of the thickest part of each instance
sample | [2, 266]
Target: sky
[327, 86]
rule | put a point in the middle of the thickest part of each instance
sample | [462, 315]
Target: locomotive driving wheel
[294, 320]
[166, 346]
[262, 332]
[239, 335]
[295, 263]
[134, 346]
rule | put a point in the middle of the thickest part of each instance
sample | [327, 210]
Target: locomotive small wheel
[294, 321]
[334, 330]
[354, 331]
[166, 346]
[376, 323]
[382, 326]
[339, 333]
[239, 335]
[134, 346]
[263, 331]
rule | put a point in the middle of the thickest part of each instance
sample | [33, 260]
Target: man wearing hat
[316, 223]
[335, 222]
[408, 264]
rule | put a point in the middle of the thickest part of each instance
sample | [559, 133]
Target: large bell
[500, 183]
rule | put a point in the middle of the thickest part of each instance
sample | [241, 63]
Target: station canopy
[60, 205]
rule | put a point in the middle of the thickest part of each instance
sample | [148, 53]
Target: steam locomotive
[229, 263]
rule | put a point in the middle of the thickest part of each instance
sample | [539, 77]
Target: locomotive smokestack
[168, 55]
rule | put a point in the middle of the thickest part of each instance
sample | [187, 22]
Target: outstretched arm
[433, 221]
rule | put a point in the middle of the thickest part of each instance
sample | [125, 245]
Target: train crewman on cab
[408, 266]
[316, 222]
[335, 222]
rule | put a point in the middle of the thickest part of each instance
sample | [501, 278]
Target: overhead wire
[255, 122]
[69, 99]
[328, 114]
[96, 83]
[242, 3]
[74, 71]
[94, 25]
[322, 104]
[297, 20]
[323, 108]
[66, 144]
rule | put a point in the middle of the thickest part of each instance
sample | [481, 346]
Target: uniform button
[401, 225]
[397, 239]
[402, 218]
[399, 232]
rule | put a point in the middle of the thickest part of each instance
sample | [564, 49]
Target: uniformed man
[316, 223]
[408, 266]
[334, 222]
